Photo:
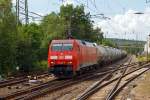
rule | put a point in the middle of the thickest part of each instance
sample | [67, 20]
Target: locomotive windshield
[57, 47]
[62, 47]
[67, 46]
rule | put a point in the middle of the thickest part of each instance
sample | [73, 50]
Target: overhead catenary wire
[94, 4]
[25, 5]
[86, 6]
[32, 12]
[121, 5]
[30, 16]
[98, 14]
[22, 9]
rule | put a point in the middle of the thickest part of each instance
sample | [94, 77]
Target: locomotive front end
[60, 58]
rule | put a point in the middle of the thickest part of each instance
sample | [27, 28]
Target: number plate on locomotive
[61, 57]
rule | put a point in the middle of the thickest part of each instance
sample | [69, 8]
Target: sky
[123, 22]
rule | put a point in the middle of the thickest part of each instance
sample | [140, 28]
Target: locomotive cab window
[62, 47]
[67, 46]
[56, 47]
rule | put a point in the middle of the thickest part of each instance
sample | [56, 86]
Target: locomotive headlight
[68, 57]
[70, 62]
[52, 62]
[53, 57]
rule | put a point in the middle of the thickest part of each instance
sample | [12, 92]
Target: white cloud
[65, 2]
[125, 24]
[13, 1]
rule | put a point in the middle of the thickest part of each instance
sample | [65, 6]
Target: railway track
[116, 89]
[117, 83]
[114, 93]
[17, 80]
[12, 81]
[44, 88]
[54, 85]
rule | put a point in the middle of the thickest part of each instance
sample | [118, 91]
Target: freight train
[71, 56]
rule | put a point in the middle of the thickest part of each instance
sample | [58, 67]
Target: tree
[70, 19]
[79, 23]
[97, 35]
[28, 46]
[53, 28]
[7, 37]
[107, 42]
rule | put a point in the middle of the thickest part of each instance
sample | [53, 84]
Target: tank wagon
[68, 57]
[109, 54]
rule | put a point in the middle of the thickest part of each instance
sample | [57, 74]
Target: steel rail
[100, 86]
[10, 79]
[18, 80]
[42, 86]
[118, 82]
[17, 93]
[55, 87]
[93, 88]
[89, 90]
[122, 86]
[50, 89]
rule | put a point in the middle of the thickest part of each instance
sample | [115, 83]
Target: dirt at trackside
[142, 90]
[139, 89]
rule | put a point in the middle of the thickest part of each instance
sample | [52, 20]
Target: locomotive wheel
[78, 73]
[95, 67]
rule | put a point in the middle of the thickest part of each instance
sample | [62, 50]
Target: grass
[143, 58]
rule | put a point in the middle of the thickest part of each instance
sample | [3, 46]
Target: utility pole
[17, 11]
[22, 9]
[69, 28]
[136, 39]
[69, 35]
[26, 12]
[147, 50]
[148, 45]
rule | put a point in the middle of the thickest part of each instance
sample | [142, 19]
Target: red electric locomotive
[67, 57]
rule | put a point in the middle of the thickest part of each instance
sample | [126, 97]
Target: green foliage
[53, 28]
[80, 23]
[42, 65]
[57, 26]
[142, 58]
[107, 42]
[7, 37]
[131, 46]
[26, 46]
[133, 49]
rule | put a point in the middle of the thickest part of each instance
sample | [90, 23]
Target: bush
[41, 65]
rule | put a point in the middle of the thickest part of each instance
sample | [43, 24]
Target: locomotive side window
[56, 47]
[67, 46]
